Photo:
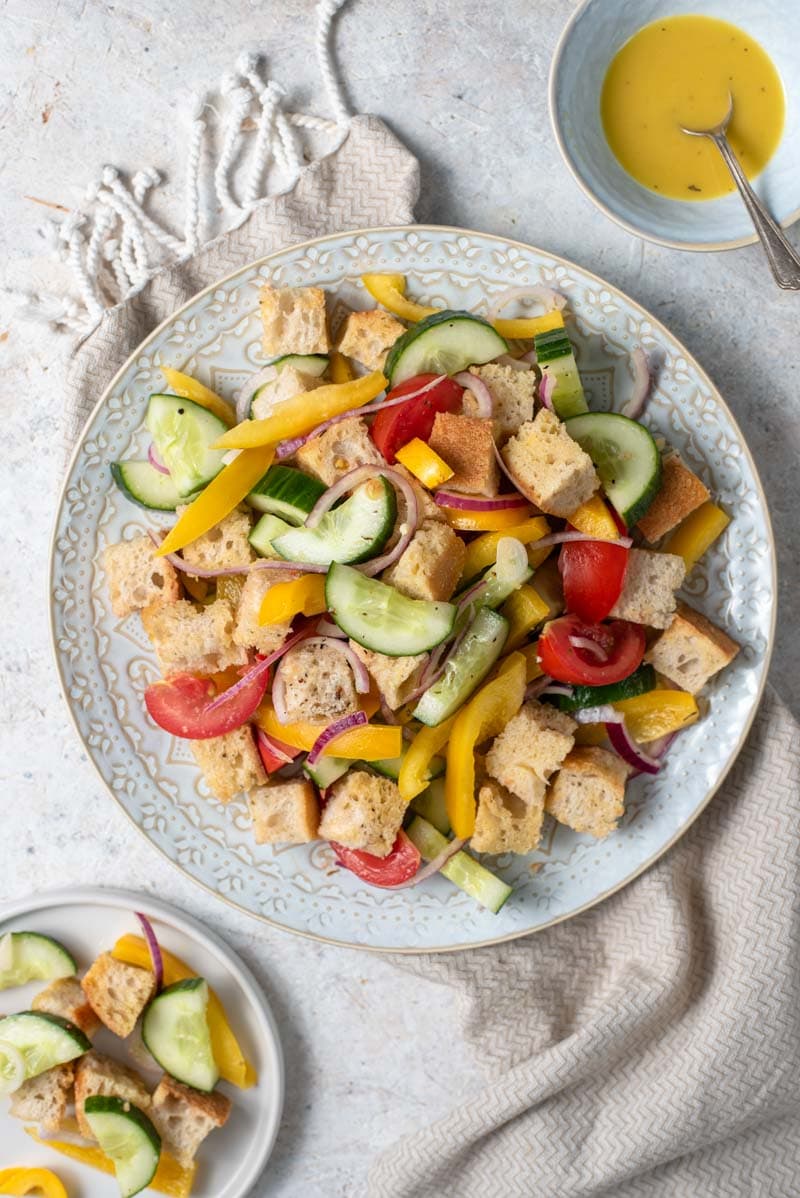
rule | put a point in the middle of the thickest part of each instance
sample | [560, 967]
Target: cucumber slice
[638, 683]
[462, 870]
[286, 492]
[626, 458]
[12, 1068]
[431, 806]
[378, 617]
[327, 770]
[354, 531]
[267, 528]
[555, 356]
[30, 956]
[146, 486]
[315, 364]
[471, 662]
[183, 433]
[508, 573]
[175, 1032]
[390, 767]
[127, 1136]
[43, 1040]
[443, 344]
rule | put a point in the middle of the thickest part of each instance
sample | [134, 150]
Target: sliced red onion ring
[658, 748]
[155, 461]
[530, 357]
[273, 747]
[355, 719]
[483, 396]
[479, 503]
[502, 465]
[604, 714]
[360, 672]
[564, 538]
[278, 696]
[589, 646]
[267, 374]
[626, 747]
[433, 866]
[153, 947]
[327, 627]
[536, 688]
[642, 382]
[285, 449]
[521, 364]
[559, 689]
[547, 385]
[472, 594]
[261, 667]
[539, 293]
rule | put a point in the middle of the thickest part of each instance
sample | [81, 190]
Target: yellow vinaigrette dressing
[678, 71]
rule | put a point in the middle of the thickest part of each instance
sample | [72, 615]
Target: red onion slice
[355, 719]
[155, 461]
[559, 689]
[539, 293]
[483, 396]
[267, 374]
[327, 627]
[547, 385]
[504, 468]
[261, 667]
[603, 714]
[360, 672]
[521, 364]
[565, 538]
[273, 747]
[153, 947]
[531, 357]
[433, 866]
[627, 748]
[479, 503]
[642, 382]
[589, 646]
[278, 696]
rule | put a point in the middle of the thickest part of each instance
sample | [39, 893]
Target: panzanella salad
[417, 594]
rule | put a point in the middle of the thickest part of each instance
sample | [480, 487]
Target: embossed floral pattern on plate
[106, 663]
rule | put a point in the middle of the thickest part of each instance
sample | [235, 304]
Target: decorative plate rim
[405, 950]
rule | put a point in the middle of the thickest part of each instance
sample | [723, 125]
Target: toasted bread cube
[98, 1074]
[183, 1117]
[247, 631]
[691, 650]
[549, 467]
[288, 383]
[193, 641]
[531, 746]
[363, 812]
[294, 320]
[368, 337]
[512, 391]
[43, 1099]
[505, 823]
[588, 792]
[431, 565]
[318, 684]
[395, 677]
[680, 493]
[427, 508]
[467, 445]
[65, 997]
[118, 992]
[284, 812]
[223, 546]
[229, 763]
[343, 447]
[137, 578]
[648, 592]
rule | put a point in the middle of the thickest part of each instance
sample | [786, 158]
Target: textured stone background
[370, 1051]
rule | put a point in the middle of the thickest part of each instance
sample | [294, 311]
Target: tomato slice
[270, 760]
[180, 705]
[593, 573]
[622, 642]
[400, 865]
[393, 429]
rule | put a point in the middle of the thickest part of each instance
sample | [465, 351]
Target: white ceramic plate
[591, 38]
[105, 663]
[89, 921]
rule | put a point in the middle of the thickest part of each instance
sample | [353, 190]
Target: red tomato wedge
[400, 865]
[270, 759]
[622, 643]
[180, 705]
[593, 573]
[393, 429]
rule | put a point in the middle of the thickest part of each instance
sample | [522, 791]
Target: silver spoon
[783, 259]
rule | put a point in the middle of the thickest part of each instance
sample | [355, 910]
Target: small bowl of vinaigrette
[627, 74]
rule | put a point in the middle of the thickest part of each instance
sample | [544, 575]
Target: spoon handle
[783, 259]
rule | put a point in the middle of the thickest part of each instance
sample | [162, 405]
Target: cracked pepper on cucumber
[417, 598]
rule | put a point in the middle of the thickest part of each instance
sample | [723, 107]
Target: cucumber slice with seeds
[443, 344]
[43, 1040]
[327, 770]
[380, 618]
[12, 1068]
[431, 805]
[286, 492]
[148, 487]
[263, 534]
[555, 356]
[315, 364]
[183, 433]
[355, 531]
[175, 1032]
[127, 1136]
[626, 458]
[639, 682]
[390, 767]
[462, 870]
[478, 652]
[31, 956]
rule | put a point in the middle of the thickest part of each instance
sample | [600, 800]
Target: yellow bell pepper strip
[370, 742]
[170, 1177]
[31, 1181]
[231, 1061]
[285, 600]
[532, 668]
[482, 552]
[299, 415]
[424, 463]
[414, 775]
[189, 388]
[657, 713]
[390, 291]
[525, 610]
[522, 327]
[341, 370]
[486, 714]
[594, 518]
[503, 520]
[220, 497]
[698, 533]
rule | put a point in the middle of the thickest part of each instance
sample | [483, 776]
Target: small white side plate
[89, 921]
